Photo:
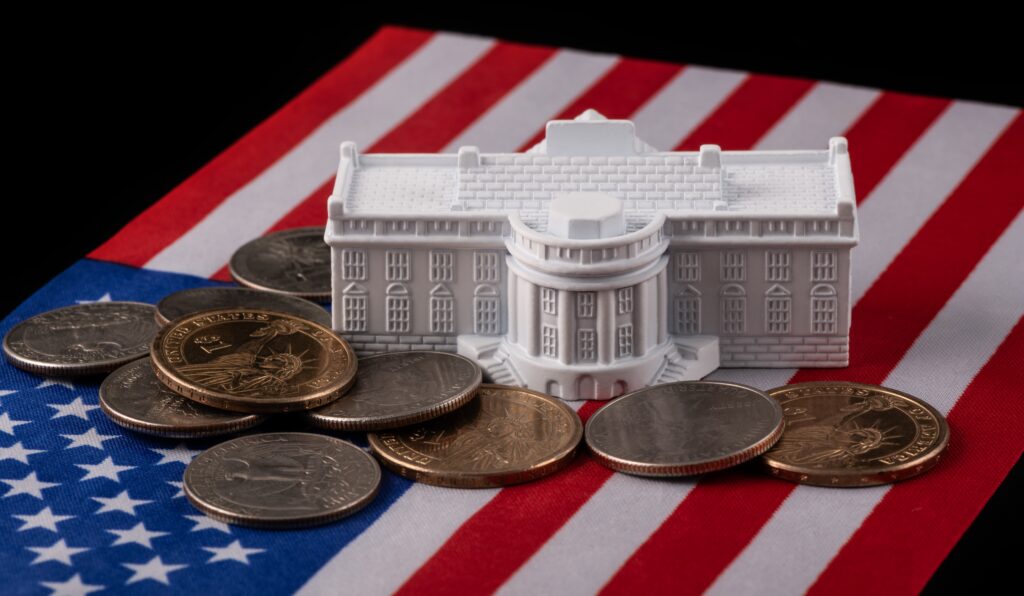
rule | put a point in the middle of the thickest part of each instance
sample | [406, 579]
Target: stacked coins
[220, 361]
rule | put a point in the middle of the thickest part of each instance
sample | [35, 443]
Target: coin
[132, 397]
[685, 428]
[282, 480]
[193, 300]
[401, 388]
[850, 434]
[505, 436]
[253, 361]
[81, 339]
[295, 262]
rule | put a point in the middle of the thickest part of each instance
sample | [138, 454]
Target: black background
[109, 111]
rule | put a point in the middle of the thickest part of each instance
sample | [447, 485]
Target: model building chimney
[587, 137]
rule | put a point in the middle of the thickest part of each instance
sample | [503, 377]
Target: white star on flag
[17, 452]
[232, 552]
[29, 485]
[180, 453]
[89, 438]
[105, 469]
[76, 408]
[4, 392]
[178, 485]
[203, 522]
[122, 502]
[138, 535]
[7, 424]
[59, 382]
[155, 570]
[72, 587]
[58, 551]
[104, 298]
[44, 519]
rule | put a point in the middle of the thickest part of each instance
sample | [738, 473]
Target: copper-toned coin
[193, 300]
[282, 480]
[82, 339]
[295, 262]
[399, 389]
[132, 397]
[253, 361]
[685, 428]
[505, 436]
[849, 434]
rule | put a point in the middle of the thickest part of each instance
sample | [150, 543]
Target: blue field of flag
[86, 505]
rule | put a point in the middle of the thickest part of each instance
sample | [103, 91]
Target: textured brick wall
[365, 345]
[785, 351]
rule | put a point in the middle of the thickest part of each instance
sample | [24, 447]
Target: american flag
[938, 292]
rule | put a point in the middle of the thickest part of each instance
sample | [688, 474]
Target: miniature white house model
[594, 264]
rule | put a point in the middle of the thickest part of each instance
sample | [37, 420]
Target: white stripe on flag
[515, 119]
[380, 559]
[682, 104]
[813, 524]
[826, 111]
[255, 207]
[595, 542]
[914, 189]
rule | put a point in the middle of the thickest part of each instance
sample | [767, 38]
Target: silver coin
[680, 429]
[82, 339]
[191, 301]
[134, 398]
[282, 480]
[402, 388]
[295, 262]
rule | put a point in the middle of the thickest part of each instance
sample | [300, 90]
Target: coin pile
[216, 361]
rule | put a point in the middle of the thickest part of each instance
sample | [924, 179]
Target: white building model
[593, 264]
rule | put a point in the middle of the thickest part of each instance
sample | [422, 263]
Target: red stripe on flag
[665, 563]
[471, 558]
[887, 320]
[748, 113]
[431, 127]
[916, 524]
[188, 203]
[619, 93]
[885, 131]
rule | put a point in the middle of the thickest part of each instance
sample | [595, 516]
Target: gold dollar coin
[849, 434]
[506, 435]
[253, 361]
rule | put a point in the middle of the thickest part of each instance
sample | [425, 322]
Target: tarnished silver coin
[193, 300]
[134, 398]
[295, 262]
[401, 388]
[82, 339]
[282, 480]
[680, 429]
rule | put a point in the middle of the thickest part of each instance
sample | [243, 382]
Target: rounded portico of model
[586, 298]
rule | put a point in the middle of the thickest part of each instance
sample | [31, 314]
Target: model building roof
[593, 154]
